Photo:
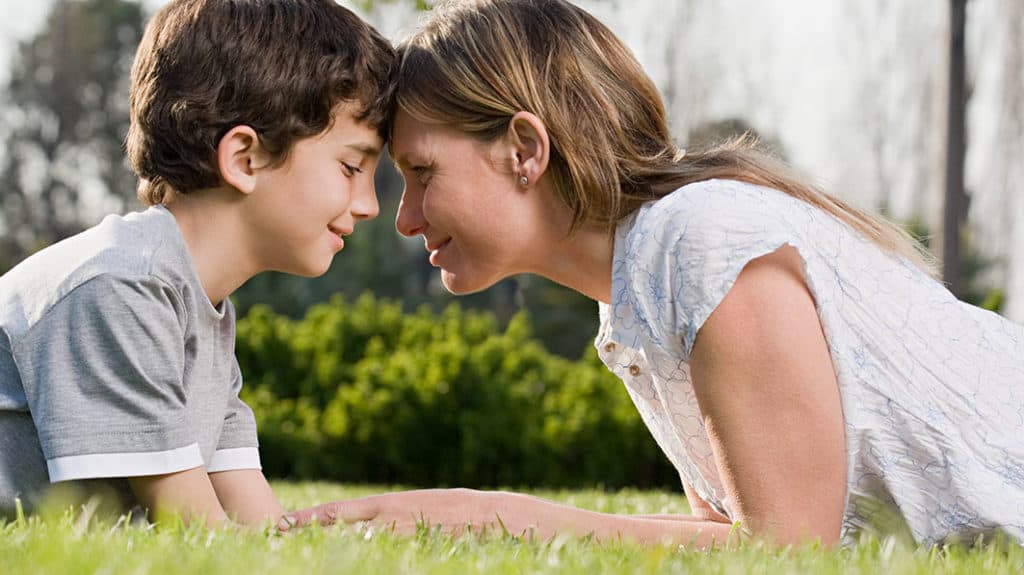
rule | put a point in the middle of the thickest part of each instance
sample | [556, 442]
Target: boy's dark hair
[278, 66]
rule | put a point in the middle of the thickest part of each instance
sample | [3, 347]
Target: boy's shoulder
[136, 248]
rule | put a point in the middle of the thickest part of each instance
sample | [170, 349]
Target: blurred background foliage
[363, 391]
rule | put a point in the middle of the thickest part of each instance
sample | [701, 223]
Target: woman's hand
[453, 510]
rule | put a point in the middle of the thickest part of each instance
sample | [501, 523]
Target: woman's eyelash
[352, 168]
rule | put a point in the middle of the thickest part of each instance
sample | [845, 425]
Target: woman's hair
[473, 64]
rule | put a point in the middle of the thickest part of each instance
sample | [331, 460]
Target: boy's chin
[309, 269]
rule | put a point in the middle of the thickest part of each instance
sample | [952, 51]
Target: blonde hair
[473, 64]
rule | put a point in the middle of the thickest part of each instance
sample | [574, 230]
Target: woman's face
[478, 223]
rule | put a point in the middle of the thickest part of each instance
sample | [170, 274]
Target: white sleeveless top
[932, 388]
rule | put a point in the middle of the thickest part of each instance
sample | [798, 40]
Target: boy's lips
[338, 233]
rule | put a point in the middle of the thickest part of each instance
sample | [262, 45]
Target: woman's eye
[350, 170]
[422, 174]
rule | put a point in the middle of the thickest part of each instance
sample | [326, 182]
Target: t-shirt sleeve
[690, 247]
[238, 447]
[103, 377]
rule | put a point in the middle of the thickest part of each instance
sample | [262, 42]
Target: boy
[256, 126]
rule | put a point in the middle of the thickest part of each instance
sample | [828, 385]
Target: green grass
[75, 541]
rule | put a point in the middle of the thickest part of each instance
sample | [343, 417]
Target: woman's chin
[462, 284]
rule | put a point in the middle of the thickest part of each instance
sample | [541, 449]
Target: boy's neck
[215, 240]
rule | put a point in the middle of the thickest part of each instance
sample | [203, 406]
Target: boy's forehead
[353, 133]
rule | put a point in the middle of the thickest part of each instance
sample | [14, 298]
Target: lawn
[77, 542]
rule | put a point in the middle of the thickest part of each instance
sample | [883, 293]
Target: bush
[362, 392]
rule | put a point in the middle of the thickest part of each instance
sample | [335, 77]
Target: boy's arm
[246, 497]
[235, 468]
[241, 495]
[189, 494]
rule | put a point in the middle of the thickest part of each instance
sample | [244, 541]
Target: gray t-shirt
[114, 363]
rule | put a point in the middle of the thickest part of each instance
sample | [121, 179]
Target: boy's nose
[409, 221]
[365, 205]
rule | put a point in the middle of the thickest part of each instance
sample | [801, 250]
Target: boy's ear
[239, 155]
[530, 146]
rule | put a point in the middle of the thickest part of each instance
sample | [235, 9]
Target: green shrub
[362, 392]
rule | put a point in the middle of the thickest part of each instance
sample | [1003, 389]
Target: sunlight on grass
[82, 540]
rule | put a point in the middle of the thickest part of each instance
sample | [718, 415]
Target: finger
[324, 514]
[328, 514]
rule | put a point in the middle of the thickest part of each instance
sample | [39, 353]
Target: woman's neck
[583, 262]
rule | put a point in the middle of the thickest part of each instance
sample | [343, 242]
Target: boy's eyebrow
[366, 149]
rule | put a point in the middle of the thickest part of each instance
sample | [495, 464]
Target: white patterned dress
[932, 388]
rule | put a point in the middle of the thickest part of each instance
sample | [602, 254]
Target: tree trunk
[955, 213]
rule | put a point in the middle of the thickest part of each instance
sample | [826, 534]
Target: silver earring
[523, 180]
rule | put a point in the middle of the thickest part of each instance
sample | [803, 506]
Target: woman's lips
[435, 252]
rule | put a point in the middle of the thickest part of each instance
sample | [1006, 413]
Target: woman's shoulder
[715, 216]
[715, 207]
[685, 250]
[719, 193]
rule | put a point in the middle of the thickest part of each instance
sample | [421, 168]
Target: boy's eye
[350, 170]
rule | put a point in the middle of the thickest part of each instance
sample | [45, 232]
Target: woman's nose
[409, 221]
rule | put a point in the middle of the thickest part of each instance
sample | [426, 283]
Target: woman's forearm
[677, 530]
[647, 529]
[674, 517]
[454, 510]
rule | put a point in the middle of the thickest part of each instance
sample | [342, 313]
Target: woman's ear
[530, 146]
[239, 154]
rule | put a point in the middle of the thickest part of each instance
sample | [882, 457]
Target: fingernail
[286, 522]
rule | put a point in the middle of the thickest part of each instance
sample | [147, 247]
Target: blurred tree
[68, 116]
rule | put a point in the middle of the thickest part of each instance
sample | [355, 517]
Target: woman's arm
[768, 394]
[767, 390]
[456, 509]
[699, 509]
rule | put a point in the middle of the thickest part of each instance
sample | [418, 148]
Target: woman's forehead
[409, 139]
[412, 139]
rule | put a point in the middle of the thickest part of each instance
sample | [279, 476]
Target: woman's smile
[435, 252]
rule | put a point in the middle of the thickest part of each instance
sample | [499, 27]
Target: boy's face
[300, 210]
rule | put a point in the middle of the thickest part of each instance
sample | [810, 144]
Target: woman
[792, 355]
